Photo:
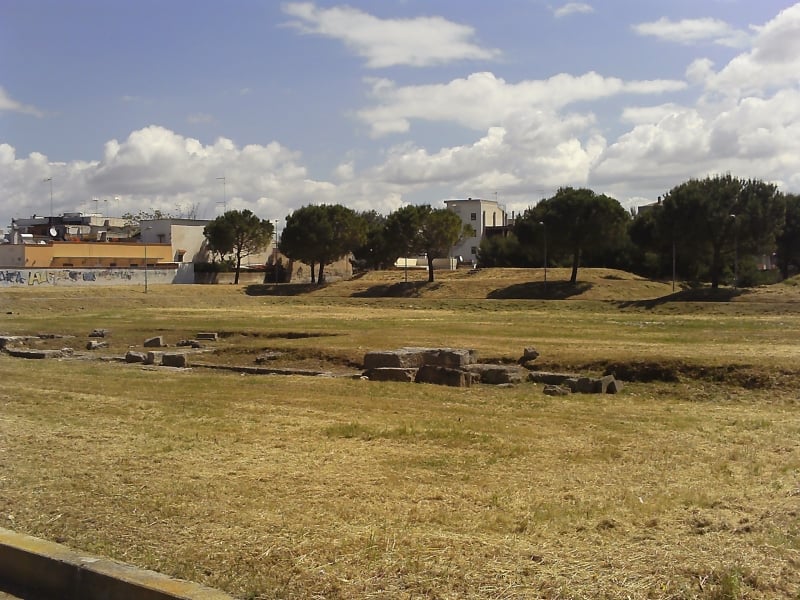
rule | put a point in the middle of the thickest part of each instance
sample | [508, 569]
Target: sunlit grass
[302, 487]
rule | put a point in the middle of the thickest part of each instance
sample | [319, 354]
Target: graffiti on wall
[36, 277]
[12, 277]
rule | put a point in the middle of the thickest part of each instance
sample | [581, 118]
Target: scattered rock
[189, 344]
[155, 342]
[529, 355]
[208, 336]
[95, 345]
[100, 333]
[268, 356]
[556, 390]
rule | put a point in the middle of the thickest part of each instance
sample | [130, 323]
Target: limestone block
[614, 387]
[25, 353]
[443, 376]
[451, 358]
[155, 342]
[587, 385]
[100, 333]
[153, 358]
[134, 357]
[604, 382]
[96, 344]
[405, 358]
[548, 378]
[208, 336]
[174, 359]
[496, 374]
[391, 374]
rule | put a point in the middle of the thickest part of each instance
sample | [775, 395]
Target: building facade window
[473, 216]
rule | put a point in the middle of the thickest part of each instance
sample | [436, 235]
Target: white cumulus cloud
[693, 31]
[772, 62]
[417, 42]
[8, 104]
[483, 100]
[571, 8]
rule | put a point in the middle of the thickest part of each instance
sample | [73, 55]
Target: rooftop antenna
[50, 179]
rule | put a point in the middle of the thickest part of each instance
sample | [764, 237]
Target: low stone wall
[35, 568]
[97, 276]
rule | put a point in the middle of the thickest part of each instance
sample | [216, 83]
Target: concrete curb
[35, 568]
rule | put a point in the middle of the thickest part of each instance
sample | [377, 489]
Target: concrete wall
[88, 277]
[12, 255]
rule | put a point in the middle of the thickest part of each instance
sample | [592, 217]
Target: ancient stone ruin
[458, 367]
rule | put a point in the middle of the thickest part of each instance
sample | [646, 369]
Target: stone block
[443, 376]
[208, 336]
[174, 359]
[391, 374]
[450, 358]
[614, 387]
[404, 358]
[603, 384]
[153, 358]
[100, 333]
[36, 354]
[155, 342]
[548, 378]
[529, 354]
[134, 357]
[96, 345]
[496, 374]
[587, 385]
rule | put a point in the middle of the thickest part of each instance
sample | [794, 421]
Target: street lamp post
[735, 253]
[224, 194]
[50, 179]
[275, 250]
[145, 262]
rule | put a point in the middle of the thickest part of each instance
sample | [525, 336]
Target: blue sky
[141, 105]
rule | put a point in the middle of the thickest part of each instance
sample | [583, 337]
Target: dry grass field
[685, 485]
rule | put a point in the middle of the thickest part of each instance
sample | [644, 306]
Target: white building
[482, 215]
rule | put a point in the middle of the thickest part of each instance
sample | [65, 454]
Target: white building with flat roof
[482, 215]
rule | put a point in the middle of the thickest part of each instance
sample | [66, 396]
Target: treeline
[714, 230]
[320, 234]
[711, 230]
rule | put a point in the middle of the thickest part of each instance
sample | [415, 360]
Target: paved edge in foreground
[40, 569]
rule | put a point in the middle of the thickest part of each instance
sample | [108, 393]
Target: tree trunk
[430, 268]
[313, 275]
[576, 261]
[321, 274]
[238, 266]
[716, 267]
